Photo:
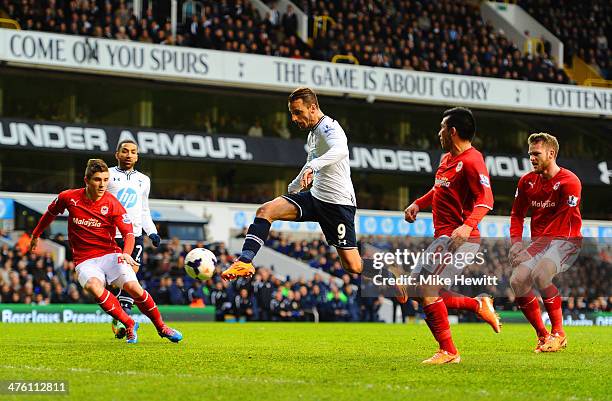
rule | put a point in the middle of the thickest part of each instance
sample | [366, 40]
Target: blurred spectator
[30, 278]
[291, 308]
[219, 300]
[178, 293]
[582, 26]
[263, 289]
[243, 305]
[276, 311]
[290, 21]
[256, 130]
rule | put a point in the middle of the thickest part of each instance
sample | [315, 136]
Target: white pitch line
[252, 380]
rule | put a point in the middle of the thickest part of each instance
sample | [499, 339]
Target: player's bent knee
[541, 278]
[133, 288]
[263, 211]
[518, 281]
[94, 286]
[277, 209]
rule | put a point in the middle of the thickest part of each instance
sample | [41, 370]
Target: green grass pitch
[266, 361]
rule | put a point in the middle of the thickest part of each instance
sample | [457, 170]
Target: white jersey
[328, 157]
[132, 188]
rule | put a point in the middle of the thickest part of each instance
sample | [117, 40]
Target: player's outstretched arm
[55, 208]
[44, 222]
[410, 214]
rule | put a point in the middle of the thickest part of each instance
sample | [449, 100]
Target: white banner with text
[104, 56]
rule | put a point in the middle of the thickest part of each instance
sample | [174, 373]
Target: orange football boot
[555, 342]
[441, 357]
[487, 313]
[238, 269]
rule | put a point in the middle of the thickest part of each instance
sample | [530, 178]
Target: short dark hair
[307, 95]
[95, 166]
[120, 144]
[462, 120]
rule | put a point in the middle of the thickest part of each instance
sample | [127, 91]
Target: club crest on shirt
[572, 201]
[104, 210]
[484, 180]
[459, 167]
[556, 186]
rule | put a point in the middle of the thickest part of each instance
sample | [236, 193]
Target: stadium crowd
[33, 279]
[437, 36]
[586, 286]
[584, 27]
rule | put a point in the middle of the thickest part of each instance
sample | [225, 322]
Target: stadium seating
[437, 36]
[582, 26]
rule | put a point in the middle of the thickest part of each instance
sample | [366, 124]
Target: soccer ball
[200, 263]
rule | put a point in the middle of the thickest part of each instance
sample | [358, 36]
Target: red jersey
[91, 225]
[554, 205]
[462, 184]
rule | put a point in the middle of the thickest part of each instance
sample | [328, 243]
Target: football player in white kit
[330, 201]
[132, 188]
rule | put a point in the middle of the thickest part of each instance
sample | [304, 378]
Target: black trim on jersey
[318, 122]
[128, 174]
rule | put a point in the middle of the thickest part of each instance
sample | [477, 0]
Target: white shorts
[108, 269]
[562, 253]
[445, 264]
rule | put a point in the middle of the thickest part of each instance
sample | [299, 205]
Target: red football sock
[454, 300]
[437, 320]
[110, 304]
[147, 306]
[530, 307]
[552, 303]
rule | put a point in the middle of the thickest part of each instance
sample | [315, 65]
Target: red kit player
[460, 198]
[94, 215]
[553, 195]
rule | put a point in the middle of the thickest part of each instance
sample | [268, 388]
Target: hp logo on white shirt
[127, 197]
